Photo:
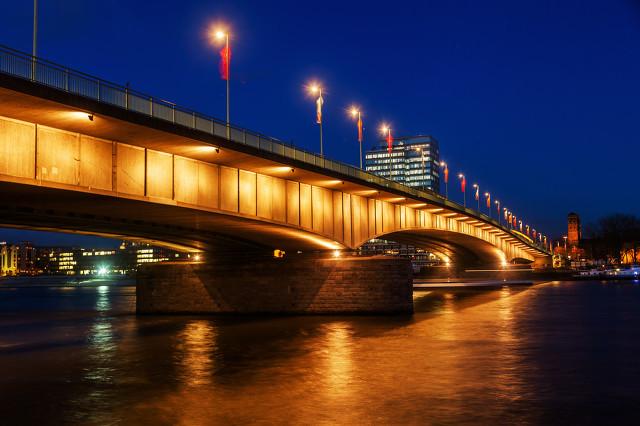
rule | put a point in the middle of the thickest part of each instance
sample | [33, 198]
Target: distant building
[413, 161]
[27, 257]
[8, 259]
[574, 231]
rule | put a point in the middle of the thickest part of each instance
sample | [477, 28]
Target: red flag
[463, 184]
[514, 221]
[389, 141]
[488, 200]
[446, 174]
[359, 128]
[225, 60]
[477, 193]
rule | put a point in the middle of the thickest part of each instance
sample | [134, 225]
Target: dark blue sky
[538, 101]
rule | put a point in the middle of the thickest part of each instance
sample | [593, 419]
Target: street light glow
[314, 88]
[220, 35]
[354, 112]
[384, 128]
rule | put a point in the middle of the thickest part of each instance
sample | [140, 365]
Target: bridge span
[80, 154]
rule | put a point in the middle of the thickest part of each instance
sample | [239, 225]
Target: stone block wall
[299, 285]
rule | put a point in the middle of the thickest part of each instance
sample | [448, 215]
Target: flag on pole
[488, 200]
[506, 215]
[319, 103]
[463, 184]
[520, 225]
[389, 141]
[528, 233]
[359, 129]
[534, 234]
[477, 193]
[446, 174]
[225, 59]
[514, 221]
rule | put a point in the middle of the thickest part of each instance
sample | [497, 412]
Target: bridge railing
[23, 65]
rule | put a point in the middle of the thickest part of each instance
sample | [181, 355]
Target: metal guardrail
[40, 71]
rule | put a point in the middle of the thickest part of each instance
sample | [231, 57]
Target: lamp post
[498, 208]
[477, 195]
[487, 196]
[445, 171]
[386, 130]
[316, 89]
[565, 243]
[463, 188]
[355, 112]
[225, 68]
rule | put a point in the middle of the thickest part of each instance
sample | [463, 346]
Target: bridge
[80, 154]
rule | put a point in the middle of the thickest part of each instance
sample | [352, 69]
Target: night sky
[537, 101]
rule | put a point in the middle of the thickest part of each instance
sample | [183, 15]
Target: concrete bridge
[79, 154]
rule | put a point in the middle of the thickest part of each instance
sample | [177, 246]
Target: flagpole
[320, 124]
[359, 138]
[228, 78]
[34, 51]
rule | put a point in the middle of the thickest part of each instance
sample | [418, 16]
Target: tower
[574, 232]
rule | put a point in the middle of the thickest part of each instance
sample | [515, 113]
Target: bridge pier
[293, 285]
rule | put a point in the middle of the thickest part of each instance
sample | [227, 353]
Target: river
[553, 353]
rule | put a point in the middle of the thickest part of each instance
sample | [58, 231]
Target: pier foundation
[298, 285]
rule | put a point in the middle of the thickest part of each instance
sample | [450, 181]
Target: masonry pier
[297, 285]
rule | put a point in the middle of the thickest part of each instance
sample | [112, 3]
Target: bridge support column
[545, 262]
[297, 285]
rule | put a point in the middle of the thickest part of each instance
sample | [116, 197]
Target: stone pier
[297, 285]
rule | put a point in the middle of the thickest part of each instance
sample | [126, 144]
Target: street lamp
[445, 171]
[225, 65]
[355, 112]
[386, 130]
[487, 196]
[316, 89]
[499, 216]
[565, 243]
[463, 187]
[477, 195]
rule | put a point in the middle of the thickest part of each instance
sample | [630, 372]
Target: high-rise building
[413, 161]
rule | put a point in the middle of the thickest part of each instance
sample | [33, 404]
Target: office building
[413, 161]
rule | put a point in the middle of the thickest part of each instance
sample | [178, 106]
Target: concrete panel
[293, 203]
[379, 217]
[338, 226]
[397, 222]
[58, 156]
[305, 206]
[185, 180]
[348, 219]
[247, 184]
[228, 189]
[264, 194]
[17, 148]
[208, 185]
[159, 174]
[403, 217]
[130, 169]
[356, 214]
[388, 217]
[96, 159]
[327, 196]
[372, 218]
[364, 218]
[317, 210]
[279, 199]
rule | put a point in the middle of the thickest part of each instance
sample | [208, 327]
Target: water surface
[557, 353]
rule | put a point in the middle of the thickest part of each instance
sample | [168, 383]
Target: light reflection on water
[545, 354]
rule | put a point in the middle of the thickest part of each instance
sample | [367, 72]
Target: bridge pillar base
[545, 262]
[304, 285]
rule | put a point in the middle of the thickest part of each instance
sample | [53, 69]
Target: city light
[103, 271]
